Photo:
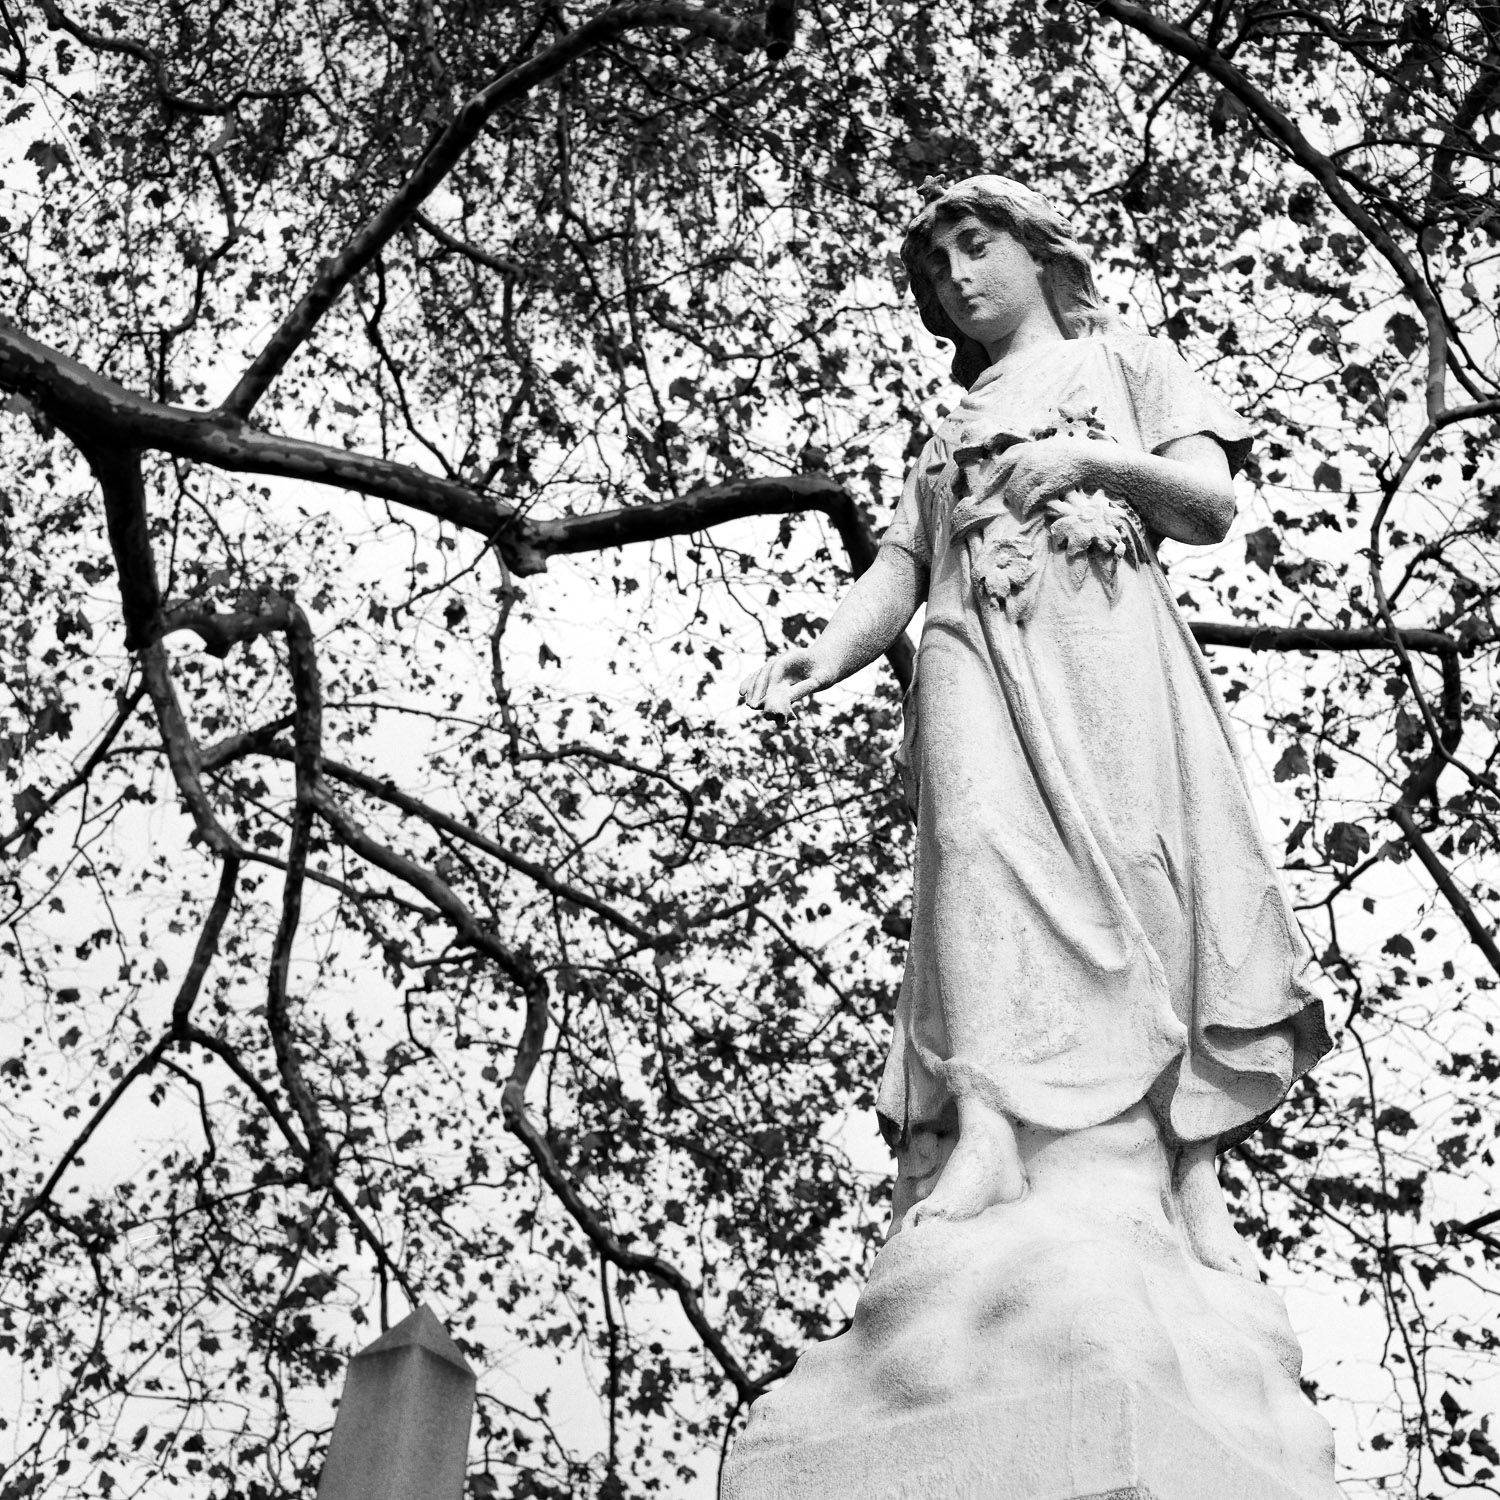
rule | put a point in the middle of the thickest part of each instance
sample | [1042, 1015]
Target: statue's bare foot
[984, 1169]
[1205, 1216]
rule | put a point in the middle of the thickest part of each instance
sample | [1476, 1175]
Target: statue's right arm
[877, 608]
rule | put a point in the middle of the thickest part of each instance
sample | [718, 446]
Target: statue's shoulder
[1137, 351]
[1148, 362]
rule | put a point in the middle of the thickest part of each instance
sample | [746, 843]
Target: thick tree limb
[742, 33]
[705, 508]
[118, 471]
[1309, 638]
[102, 416]
[207, 946]
[244, 742]
[714, 505]
[221, 631]
[307, 735]
[99, 412]
[120, 481]
[182, 752]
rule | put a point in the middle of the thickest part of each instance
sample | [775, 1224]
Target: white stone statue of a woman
[1097, 918]
[1104, 972]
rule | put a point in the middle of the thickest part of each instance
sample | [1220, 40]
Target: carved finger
[1030, 494]
[1006, 466]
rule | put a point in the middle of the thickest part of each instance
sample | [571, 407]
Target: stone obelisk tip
[403, 1426]
[422, 1329]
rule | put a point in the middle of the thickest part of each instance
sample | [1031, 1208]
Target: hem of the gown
[1046, 1106]
[1061, 1108]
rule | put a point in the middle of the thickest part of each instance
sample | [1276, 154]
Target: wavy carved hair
[1002, 203]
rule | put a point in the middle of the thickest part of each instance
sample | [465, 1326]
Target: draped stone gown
[1097, 918]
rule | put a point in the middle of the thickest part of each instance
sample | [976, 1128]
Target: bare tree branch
[436, 890]
[121, 483]
[486, 258]
[207, 947]
[97, 41]
[715, 505]
[1402, 816]
[187, 993]
[387, 792]
[27, 825]
[662, 1272]
[742, 33]
[1172, 38]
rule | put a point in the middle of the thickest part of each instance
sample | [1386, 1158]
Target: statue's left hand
[1036, 472]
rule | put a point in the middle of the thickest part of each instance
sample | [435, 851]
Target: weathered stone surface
[1066, 1345]
[1105, 984]
[402, 1431]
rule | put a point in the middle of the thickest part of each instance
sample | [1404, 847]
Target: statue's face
[985, 280]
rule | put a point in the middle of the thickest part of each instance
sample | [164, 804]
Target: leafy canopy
[413, 411]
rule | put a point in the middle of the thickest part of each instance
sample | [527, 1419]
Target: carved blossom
[1089, 527]
[1004, 566]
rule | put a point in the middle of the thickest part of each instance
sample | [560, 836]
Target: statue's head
[1067, 273]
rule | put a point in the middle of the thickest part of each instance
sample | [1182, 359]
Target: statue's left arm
[1185, 491]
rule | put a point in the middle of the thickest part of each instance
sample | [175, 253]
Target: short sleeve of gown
[908, 528]
[1172, 401]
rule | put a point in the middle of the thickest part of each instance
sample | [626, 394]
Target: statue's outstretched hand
[782, 681]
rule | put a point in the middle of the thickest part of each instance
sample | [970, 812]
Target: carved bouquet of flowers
[1095, 531]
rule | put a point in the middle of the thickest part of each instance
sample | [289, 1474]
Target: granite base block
[1091, 1442]
[1066, 1346]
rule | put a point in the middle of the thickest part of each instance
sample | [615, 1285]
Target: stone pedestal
[402, 1431]
[1096, 1441]
[1064, 1347]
